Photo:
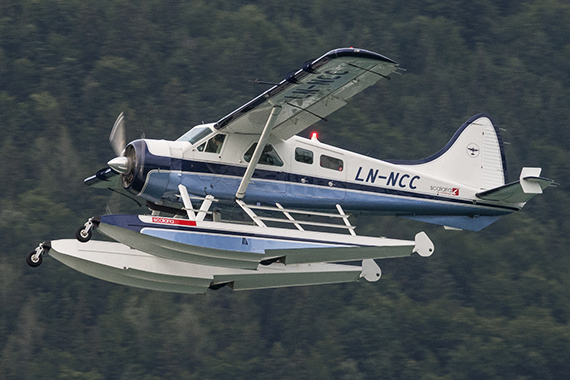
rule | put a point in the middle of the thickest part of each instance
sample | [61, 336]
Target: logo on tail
[473, 150]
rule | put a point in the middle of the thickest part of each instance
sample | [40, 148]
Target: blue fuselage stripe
[352, 196]
[219, 169]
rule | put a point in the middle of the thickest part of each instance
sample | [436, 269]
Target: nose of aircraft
[119, 164]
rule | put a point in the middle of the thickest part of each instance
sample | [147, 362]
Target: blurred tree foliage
[491, 305]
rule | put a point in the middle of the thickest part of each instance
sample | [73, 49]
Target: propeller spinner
[119, 164]
[124, 163]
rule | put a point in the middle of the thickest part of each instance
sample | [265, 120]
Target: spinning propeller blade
[117, 136]
[120, 164]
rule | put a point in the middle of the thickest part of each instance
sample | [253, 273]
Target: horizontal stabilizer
[521, 191]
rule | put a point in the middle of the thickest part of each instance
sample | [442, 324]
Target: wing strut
[258, 150]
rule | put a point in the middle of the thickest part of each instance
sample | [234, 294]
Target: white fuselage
[308, 174]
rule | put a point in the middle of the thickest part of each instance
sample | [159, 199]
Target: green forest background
[488, 305]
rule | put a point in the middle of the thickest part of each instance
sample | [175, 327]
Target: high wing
[304, 97]
[311, 93]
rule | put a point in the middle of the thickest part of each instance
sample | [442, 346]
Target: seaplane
[294, 194]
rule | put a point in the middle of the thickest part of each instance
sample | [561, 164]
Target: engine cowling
[143, 173]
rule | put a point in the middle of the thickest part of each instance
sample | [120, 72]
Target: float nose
[119, 164]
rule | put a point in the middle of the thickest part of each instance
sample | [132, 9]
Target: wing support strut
[258, 150]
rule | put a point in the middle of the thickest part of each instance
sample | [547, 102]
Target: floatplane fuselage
[253, 158]
[448, 188]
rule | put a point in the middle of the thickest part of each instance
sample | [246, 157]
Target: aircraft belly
[264, 186]
[317, 192]
[396, 204]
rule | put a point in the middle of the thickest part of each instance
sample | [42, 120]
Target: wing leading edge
[311, 93]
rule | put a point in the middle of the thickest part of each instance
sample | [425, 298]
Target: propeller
[117, 136]
[120, 164]
[123, 164]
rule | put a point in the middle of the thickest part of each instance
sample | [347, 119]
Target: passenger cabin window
[331, 163]
[268, 157]
[303, 155]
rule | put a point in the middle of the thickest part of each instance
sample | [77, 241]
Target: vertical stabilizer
[473, 157]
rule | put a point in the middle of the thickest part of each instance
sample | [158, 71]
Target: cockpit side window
[214, 145]
[268, 157]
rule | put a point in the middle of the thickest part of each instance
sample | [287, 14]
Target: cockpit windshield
[196, 134]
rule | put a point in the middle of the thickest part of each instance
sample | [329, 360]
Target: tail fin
[473, 157]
